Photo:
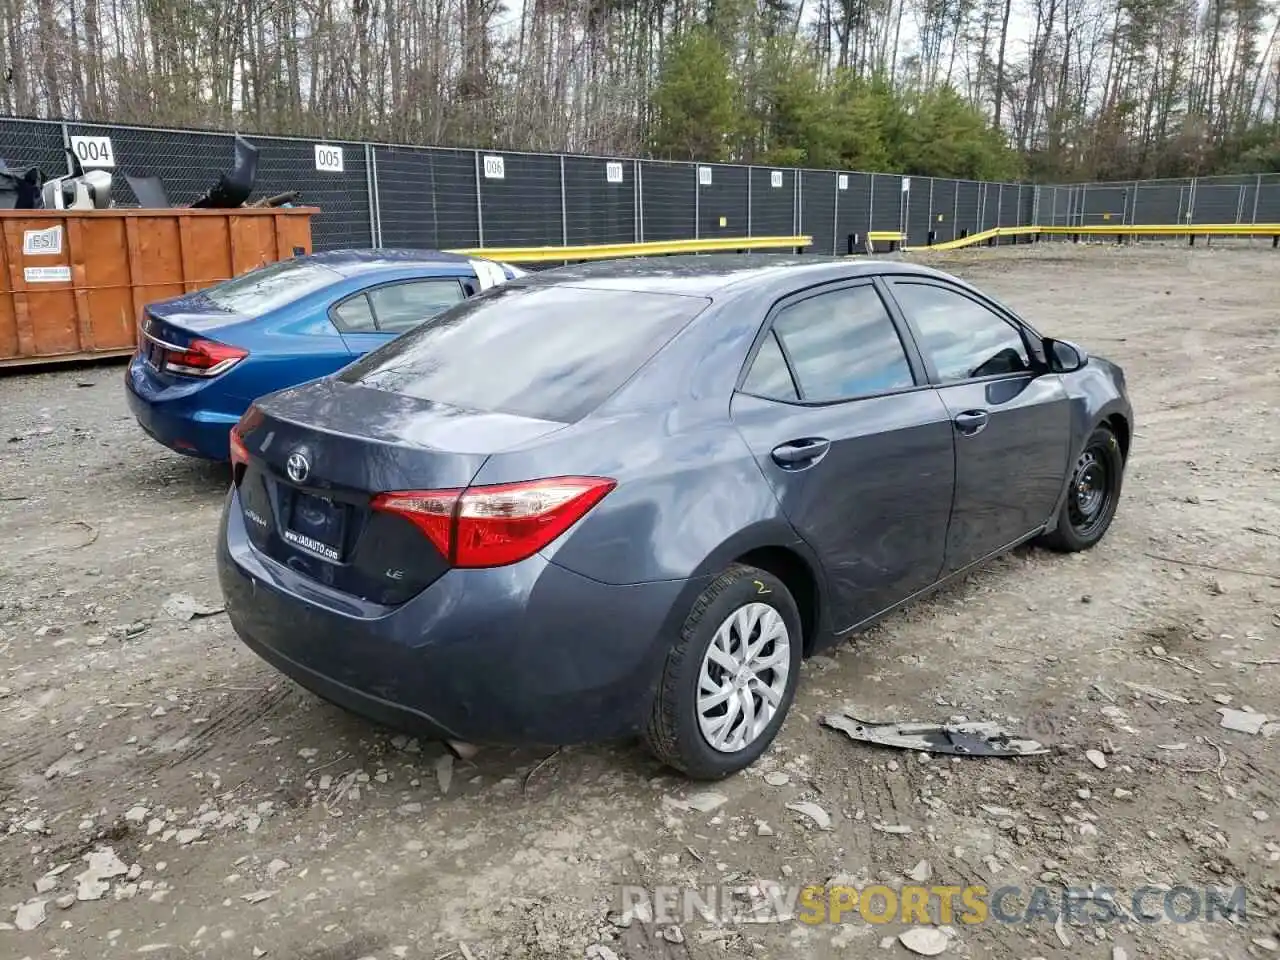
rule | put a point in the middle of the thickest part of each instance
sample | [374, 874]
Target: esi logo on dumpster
[39, 243]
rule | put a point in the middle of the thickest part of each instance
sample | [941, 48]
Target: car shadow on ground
[177, 473]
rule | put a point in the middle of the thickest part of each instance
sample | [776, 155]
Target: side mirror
[1063, 356]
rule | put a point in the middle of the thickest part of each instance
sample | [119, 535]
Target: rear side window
[843, 345]
[402, 306]
[267, 288]
[553, 353]
[354, 315]
[769, 376]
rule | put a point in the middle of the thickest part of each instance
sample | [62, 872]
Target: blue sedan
[204, 357]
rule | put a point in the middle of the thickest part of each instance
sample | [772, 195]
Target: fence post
[930, 217]
[1191, 203]
[1133, 207]
[697, 200]
[955, 211]
[479, 205]
[835, 216]
[371, 185]
[639, 195]
[66, 145]
[797, 205]
[871, 204]
[564, 209]
[1084, 203]
[1257, 192]
[999, 208]
[749, 169]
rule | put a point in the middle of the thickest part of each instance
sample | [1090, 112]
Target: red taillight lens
[203, 358]
[491, 526]
[239, 452]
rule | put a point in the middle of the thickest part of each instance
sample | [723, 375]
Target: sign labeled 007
[328, 159]
[93, 152]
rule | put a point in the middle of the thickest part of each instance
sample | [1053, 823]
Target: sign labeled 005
[328, 159]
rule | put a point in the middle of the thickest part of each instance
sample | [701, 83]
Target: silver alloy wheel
[743, 677]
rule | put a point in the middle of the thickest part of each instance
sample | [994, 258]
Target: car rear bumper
[178, 423]
[529, 653]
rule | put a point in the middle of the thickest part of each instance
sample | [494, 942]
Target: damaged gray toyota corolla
[629, 497]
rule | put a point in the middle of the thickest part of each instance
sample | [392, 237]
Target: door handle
[801, 453]
[971, 422]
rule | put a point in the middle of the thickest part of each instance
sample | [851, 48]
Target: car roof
[710, 274]
[350, 263]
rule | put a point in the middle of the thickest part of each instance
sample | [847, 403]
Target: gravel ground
[244, 816]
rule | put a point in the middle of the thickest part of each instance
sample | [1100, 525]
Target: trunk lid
[177, 324]
[320, 453]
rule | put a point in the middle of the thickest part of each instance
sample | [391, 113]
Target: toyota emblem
[298, 467]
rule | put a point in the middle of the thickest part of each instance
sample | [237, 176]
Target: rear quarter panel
[690, 495]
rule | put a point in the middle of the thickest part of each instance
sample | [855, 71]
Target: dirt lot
[256, 818]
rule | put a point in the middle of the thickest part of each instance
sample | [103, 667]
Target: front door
[860, 455]
[1010, 419]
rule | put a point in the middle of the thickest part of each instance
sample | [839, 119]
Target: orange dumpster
[73, 282]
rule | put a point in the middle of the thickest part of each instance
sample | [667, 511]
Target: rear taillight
[491, 526]
[203, 358]
[239, 452]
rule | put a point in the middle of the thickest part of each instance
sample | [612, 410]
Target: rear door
[375, 315]
[1011, 419]
[855, 443]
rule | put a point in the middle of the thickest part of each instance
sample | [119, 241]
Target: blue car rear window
[272, 286]
[552, 353]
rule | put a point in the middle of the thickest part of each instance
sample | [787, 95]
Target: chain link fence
[439, 198]
[1236, 198]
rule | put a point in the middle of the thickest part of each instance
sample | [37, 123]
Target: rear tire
[1092, 496]
[744, 686]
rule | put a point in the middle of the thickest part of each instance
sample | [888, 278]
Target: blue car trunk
[179, 324]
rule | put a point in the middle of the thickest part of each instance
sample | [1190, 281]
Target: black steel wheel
[1092, 496]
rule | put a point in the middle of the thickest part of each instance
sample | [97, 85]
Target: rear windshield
[272, 286]
[553, 353]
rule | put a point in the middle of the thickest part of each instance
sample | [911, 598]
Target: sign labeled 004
[93, 152]
[328, 159]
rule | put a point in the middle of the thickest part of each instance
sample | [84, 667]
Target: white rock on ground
[1097, 758]
[926, 941]
[30, 915]
[1242, 721]
[813, 812]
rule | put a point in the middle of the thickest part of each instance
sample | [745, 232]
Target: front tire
[728, 683]
[1093, 494]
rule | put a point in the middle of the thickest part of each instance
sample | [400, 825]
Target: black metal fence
[407, 196]
[1244, 198]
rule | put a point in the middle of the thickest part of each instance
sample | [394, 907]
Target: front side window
[843, 345]
[963, 338]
